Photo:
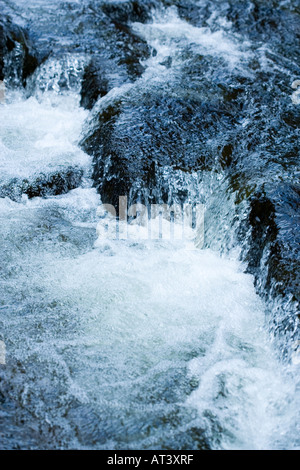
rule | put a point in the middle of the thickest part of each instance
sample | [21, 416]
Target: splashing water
[136, 344]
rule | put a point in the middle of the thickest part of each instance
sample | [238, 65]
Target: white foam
[151, 302]
[168, 34]
[78, 206]
[38, 137]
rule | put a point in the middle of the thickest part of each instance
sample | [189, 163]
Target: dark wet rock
[135, 138]
[79, 29]
[267, 22]
[262, 160]
[18, 57]
[273, 249]
[129, 11]
[43, 185]
[54, 184]
[141, 11]
[264, 230]
[94, 84]
[226, 155]
[121, 45]
[134, 50]
[167, 62]
[3, 50]
[284, 264]
[117, 38]
[291, 116]
[262, 20]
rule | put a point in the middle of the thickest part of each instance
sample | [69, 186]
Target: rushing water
[127, 343]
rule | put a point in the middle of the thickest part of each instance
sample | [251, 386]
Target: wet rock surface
[145, 133]
[132, 10]
[18, 57]
[94, 84]
[274, 244]
[43, 185]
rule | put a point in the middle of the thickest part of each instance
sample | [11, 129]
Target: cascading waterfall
[134, 342]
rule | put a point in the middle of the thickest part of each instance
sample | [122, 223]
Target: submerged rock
[43, 185]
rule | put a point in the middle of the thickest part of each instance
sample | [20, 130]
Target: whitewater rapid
[136, 344]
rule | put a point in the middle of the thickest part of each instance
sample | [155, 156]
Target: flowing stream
[130, 343]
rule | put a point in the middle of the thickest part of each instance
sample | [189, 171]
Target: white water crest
[40, 137]
[144, 326]
[168, 34]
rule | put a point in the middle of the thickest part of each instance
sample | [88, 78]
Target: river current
[136, 341]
